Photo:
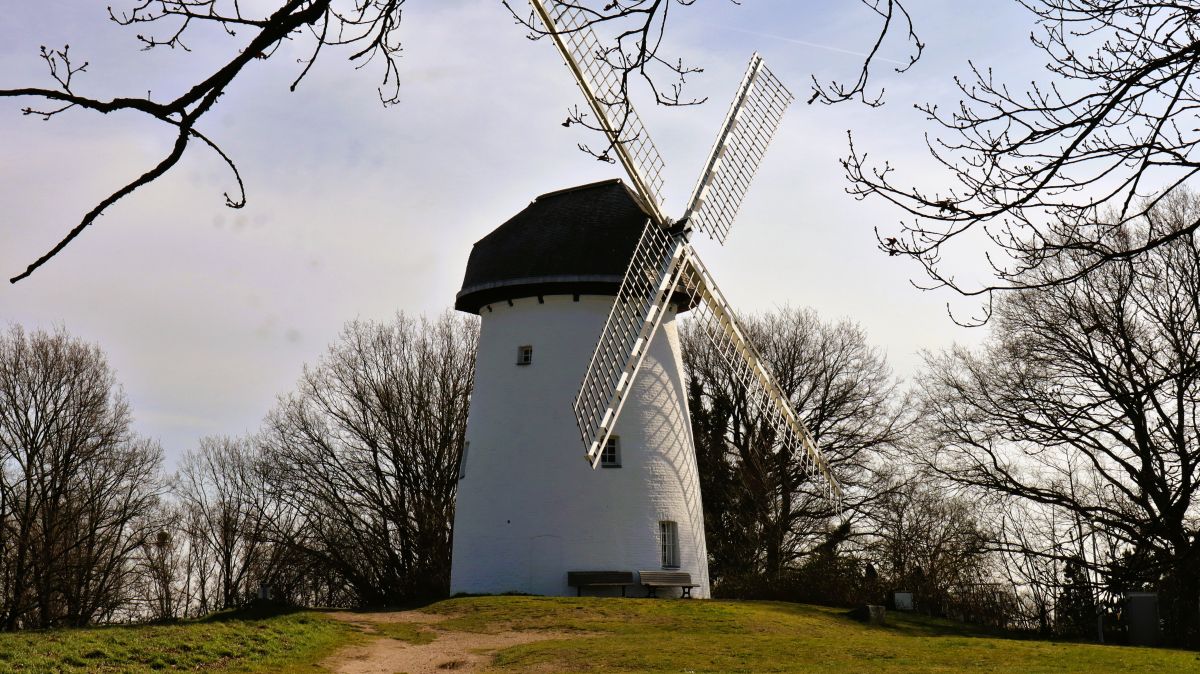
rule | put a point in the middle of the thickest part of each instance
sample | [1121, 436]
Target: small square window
[524, 355]
[611, 456]
[669, 536]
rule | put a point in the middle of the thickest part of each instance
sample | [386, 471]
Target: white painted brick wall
[530, 508]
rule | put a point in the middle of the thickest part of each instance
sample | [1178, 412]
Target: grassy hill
[226, 642]
[590, 634]
[725, 636]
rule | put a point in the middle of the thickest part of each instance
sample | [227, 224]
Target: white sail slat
[749, 127]
[605, 86]
[637, 312]
[715, 318]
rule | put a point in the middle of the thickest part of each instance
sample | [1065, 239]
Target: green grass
[635, 635]
[601, 635]
[226, 642]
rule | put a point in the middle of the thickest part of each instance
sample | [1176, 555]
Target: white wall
[530, 508]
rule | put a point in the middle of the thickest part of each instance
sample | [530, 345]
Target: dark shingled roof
[577, 240]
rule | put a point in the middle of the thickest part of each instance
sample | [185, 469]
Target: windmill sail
[657, 262]
[715, 318]
[606, 92]
[749, 126]
[663, 260]
[651, 279]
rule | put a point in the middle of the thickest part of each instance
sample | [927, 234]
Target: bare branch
[1061, 168]
[370, 28]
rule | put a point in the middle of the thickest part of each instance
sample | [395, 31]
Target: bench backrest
[666, 577]
[578, 578]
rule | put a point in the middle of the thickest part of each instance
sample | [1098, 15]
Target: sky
[355, 211]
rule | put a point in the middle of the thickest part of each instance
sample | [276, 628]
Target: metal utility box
[1141, 615]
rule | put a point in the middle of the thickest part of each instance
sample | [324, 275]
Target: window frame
[614, 441]
[668, 534]
[525, 354]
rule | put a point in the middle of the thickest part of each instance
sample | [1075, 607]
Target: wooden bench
[656, 579]
[582, 579]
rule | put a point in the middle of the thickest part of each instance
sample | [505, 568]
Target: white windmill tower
[603, 259]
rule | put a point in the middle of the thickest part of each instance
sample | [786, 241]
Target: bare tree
[111, 511]
[763, 509]
[1027, 540]
[368, 31]
[934, 544]
[163, 574]
[77, 490]
[1085, 400]
[363, 457]
[199, 569]
[1059, 169]
[219, 489]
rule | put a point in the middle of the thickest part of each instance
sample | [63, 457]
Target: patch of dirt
[463, 652]
[366, 620]
[387, 616]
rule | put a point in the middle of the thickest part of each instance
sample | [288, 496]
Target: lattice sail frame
[749, 126]
[715, 318]
[652, 277]
[663, 260]
[606, 92]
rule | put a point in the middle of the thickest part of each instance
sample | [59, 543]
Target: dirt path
[449, 651]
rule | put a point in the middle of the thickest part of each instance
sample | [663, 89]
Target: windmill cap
[577, 240]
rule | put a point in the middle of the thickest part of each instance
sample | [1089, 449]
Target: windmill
[665, 262]
[604, 259]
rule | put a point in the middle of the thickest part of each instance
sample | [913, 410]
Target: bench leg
[622, 590]
[686, 594]
[653, 592]
[579, 591]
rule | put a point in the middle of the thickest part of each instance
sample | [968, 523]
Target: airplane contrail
[807, 44]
